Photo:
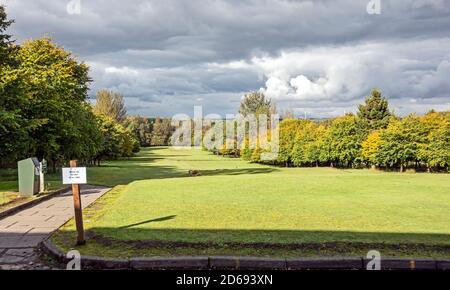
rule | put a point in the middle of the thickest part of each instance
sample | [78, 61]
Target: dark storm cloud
[167, 56]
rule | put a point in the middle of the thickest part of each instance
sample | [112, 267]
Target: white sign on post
[74, 175]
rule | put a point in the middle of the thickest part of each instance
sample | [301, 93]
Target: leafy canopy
[110, 104]
[374, 113]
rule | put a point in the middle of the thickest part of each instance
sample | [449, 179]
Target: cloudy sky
[319, 56]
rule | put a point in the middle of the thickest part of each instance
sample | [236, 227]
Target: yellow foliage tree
[370, 147]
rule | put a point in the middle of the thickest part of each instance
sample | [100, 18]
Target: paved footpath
[20, 233]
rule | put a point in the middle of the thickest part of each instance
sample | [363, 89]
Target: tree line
[45, 111]
[373, 137]
[150, 131]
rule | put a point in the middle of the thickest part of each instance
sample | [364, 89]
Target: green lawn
[9, 187]
[9, 183]
[236, 207]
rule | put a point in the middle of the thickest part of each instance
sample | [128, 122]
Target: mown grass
[9, 182]
[236, 207]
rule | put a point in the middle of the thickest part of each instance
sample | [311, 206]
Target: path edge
[241, 263]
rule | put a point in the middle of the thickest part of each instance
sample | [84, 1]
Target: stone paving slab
[21, 232]
[18, 230]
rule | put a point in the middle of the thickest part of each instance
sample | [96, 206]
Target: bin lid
[35, 161]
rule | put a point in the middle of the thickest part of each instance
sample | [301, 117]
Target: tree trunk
[401, 167]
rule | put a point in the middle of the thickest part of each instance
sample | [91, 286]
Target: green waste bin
[28, 171]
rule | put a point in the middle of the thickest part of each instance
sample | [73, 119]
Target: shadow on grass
[161, 219]
[239, 171]
[138, 241]
[137, 160]
[140, 167]
[116, 174]
[268, 237]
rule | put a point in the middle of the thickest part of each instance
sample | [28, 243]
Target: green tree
[309, 143]
[110, 104]
[162, 130]
[44, 110]
[7, 46]
[400, 142]
[288, 130]
[14, 125]
[55, 85]
[435, 151]
[110, 139]
[116, 140]
[374, 113]
[256, 154]
[142, 128]
[315, 147]
[256, 103]
[245, 151]
[84, 141]
[344, 140]
[302, 137]
[128, 142]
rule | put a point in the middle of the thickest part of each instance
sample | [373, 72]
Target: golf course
[229, 206]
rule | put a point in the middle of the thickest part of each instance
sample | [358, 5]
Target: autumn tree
[288, 130]
[116, 140]
[400, 142]
[316, 149]
[303, 135]
[162, 130]
[344, 140]
[370, 148]
[110, 104]
[435, 151]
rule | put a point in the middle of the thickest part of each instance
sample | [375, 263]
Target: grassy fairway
[240, 208]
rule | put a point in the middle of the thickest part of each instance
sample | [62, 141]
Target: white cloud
[347, 73]
[122, 71]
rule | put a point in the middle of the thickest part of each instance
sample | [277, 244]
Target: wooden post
[78, 210]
